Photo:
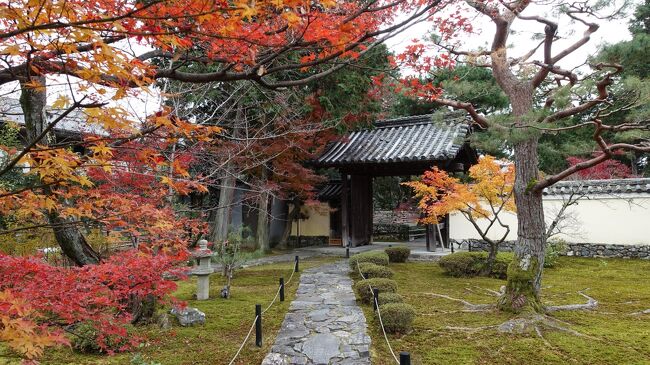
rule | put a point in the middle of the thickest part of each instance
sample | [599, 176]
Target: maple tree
[121, 173]
[481, 201]
[269, 137]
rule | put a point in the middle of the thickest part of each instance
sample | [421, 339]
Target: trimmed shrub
[469, 264]
[385, 298]
[370, 270]
[398, 254]
[376, 257]
[397, 317]
[500, 267]
[384, 285]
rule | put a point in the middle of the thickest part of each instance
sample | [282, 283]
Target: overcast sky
[520, 42]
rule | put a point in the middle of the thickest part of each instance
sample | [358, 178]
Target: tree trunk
[492, 256]
[525, 271]
[292, 214]
[221, 222]
[72, 242]
[263, 220]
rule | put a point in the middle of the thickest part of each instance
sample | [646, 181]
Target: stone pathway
[324, 325]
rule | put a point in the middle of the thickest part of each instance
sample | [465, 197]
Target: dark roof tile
[416, 138]
[593, 187]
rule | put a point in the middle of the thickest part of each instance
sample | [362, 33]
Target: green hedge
[397, 317]
[384, 285]
[398, 253]
[370, 270]
[385, 298]
[376, 257]
[469, 264]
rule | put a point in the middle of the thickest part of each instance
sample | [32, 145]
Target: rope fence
[376, 305]
[258, 317]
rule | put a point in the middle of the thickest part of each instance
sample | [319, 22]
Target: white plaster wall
[614, 220]
[318, 223]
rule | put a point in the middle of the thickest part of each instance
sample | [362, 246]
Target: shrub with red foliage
[610, 169]
[98, 294]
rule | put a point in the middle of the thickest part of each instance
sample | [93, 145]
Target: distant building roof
[73, 123]
[592, 187]
[408, 139]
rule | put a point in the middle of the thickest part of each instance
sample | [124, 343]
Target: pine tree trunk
[525, 271]
[72, 242]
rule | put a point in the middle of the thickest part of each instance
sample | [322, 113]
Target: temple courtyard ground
[445, 332]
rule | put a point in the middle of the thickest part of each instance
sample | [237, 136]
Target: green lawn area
[227, 323]
[621, 287]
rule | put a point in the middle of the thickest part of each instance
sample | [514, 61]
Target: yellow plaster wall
[318, 223]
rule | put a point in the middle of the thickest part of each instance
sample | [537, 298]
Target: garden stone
[164, 322]
[321, 348]
[188, 316]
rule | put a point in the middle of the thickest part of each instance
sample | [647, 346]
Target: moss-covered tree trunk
[525, 271]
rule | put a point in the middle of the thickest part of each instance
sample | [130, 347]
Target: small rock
[225, 292]
[188, 316]
[164, 322]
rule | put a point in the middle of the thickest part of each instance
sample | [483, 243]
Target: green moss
[624, 339]
[520, 294]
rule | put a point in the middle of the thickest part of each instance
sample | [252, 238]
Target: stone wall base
[573, 249]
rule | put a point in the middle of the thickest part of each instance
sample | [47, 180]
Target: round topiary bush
[376, 257]
[370, 270]
[384, 285]
[397, 317]
[469, 264]
[463, 264]
[398, 253]
[385, 298]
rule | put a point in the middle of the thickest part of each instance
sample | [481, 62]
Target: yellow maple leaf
[61, 102]
[328, 3]
[292, 18]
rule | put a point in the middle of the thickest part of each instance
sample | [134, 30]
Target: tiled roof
[591, 187]
[407, 139]
[330, 191]
[75, 122]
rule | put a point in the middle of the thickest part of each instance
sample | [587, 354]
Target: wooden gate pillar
[360, 210]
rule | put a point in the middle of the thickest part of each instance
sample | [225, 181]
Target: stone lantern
[203, 270]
